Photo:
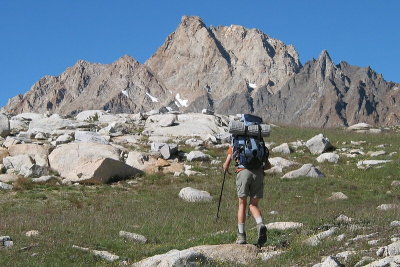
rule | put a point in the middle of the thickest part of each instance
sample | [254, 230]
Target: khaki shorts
[250, 183]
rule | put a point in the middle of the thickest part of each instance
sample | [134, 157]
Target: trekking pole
[220, 196]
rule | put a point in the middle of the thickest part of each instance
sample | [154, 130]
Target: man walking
[249, 183]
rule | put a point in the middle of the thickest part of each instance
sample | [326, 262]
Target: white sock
[259, 220]
[241, 228]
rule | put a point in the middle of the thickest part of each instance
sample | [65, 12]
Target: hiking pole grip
[220, 196]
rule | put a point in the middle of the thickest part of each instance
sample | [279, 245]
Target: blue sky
[44, 37]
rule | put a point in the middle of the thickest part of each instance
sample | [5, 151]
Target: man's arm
[227, 162]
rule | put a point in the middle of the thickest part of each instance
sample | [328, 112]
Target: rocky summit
[224, 69]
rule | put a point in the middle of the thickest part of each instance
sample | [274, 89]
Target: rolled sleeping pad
[238, 128]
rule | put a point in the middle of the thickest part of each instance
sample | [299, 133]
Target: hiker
[249, 184]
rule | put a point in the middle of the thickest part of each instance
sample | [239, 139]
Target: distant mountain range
[225, 69]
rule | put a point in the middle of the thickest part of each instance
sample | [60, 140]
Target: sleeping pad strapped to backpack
[249, 150]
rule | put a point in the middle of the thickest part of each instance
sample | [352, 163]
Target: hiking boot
[262, 234]
[241, 238]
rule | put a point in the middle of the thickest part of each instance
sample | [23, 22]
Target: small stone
[385, 207]
[340, 238]
[194, 195]
[283, 148]
[282, 226]
[395, 183]
[5, 186]
[395, 223]
[337, 196]
[136, 238]
[32, 233]
[343, 218]
[197, 156]
[6, 241]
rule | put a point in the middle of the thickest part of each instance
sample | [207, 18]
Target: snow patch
[182, 102]
[153, 99]
[169, 108]
[252, 85]
[125, 92]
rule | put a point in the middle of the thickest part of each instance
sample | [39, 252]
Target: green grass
[92, 216]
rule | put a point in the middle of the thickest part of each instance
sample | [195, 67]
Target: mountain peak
[324, 56]
[194, 21]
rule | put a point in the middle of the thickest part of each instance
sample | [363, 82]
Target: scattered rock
[45, 179]
[337, 196]
[3, 153]
[282, 226]
[32, 233]
[385, 207]
[136, 238]
[395, 223]
[63, 139]
[343, 218]
[4, 125]
[194, 195]
[281, 162]
[6, 241]
[89, 115]
[362, 237]
[359, 126]
[376, 153]
[283, 148]
[330, 261]
[89, 137]
[5, 186]
[395, 183]
[316, 239]
[364, 164]
[318, 144]
[330, 157]
[197, 156]
[194, 142]
[187, 257]
[8, 177]
[391, 261]
[307, 170]
[100, 253]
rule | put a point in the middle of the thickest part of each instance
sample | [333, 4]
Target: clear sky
[44, 37]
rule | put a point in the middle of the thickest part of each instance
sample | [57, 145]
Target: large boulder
[25, 165]
[4, 125]
[329, 157]
[187, 257]
[90, 115]
[101, 171]
[39, 153]
[318, 144]
[197, 156]
[67, 159]
[3, 153]
[54, 123]
[191, 124]
[89, 137]
[283, 148]
[281, 162]
[390, 261]
[306, 170]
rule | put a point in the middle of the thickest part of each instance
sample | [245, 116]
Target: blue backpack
[249, 150]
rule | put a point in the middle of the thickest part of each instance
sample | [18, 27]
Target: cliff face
[229, 70]
[208, 64]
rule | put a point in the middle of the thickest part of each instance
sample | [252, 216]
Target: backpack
[249, 150]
